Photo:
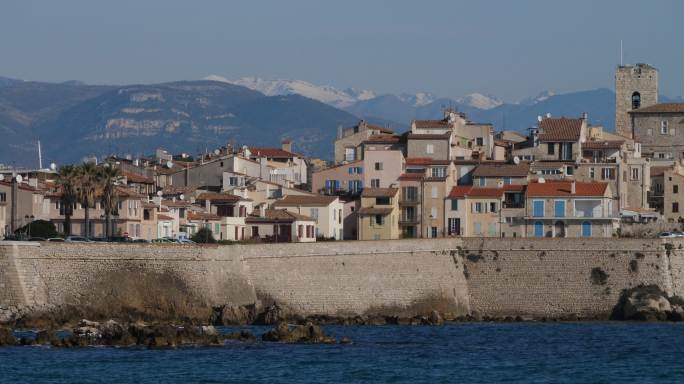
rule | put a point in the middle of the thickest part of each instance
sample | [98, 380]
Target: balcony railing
[512, 204]
[404, 219]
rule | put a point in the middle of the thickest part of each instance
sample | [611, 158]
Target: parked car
[55, 240]
[37, 239]
[184, 241]
[667, 235]
[77, 239]
[163, 240]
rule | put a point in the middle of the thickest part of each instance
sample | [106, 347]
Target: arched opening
[559, 229]
[636, 100]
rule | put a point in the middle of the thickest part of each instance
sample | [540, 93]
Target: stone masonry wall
[557, 278]
[495, 277]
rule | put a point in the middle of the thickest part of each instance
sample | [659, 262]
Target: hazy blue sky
[511, 49]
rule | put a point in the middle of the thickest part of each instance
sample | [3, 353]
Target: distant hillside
[74, 120]
[598, 103]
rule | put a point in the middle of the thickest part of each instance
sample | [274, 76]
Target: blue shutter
[586, 229]
[360, 169]
[559, 208]
[327, 185]
[337, 185]
[538, 208]
[538, 229]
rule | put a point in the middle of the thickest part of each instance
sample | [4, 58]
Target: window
[586, 229]
[663, 128]
[483, 181]
[675, 188]
[636, 100]
[491, 229]
[378, 166]
[559, 208]
[538, 208]
[217, 228]
[454, 205]
[430, 149]
[382, 201]
[454, 226]
[479, 141]
[507, 180]
[375, 183]
[592, 173]
[350, 154]
[355, 170]
[569, 170]
[635, 173]
[478, 228]
[434, 192]
[439, 172]
[3, 197]
[477, 207]
[608, 174]
[355, 186]
[434, 232]
[433, 212]
[379, 220]
[409, 193]
[551, 148]
[492, 207]
[314, 213]
[675, 207]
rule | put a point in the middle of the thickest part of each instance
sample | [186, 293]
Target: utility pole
[13, 209]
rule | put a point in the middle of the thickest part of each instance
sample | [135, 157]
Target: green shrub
[38, 228]
[204, 236]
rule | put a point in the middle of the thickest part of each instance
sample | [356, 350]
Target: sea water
[454, 353]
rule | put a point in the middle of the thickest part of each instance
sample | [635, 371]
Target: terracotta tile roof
[218, 197]
[135, 178]
[149, 204]
[560, 129]
[367, 211]
[176, 203]
[612, 144]
[502, 170]
[419, 136]
[122, 191]
[379, 192]
[537, 165]
[277, 153]
[177, 190]
[659, 171]
[411, 176]
[426, 124]
[281, 215]
[305, 200]
[661, 108]
[164, 217]
[203, 216]
[383, 138]
[564, 188]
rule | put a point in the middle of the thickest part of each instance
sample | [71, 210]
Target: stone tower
[636, 86]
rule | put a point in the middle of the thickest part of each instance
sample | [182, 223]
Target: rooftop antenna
[621, 54]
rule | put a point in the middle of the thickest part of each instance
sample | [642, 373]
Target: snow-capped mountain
[480, 101]
[323, 93]
[543, 95]
[417, 99]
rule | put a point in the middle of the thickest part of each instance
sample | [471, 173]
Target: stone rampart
[494, 277]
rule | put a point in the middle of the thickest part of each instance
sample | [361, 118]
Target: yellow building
[378, 217]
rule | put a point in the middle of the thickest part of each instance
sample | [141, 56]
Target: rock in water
[307, 333]
[273, 314]
[7, 337]
[435, 318]
[644, 303]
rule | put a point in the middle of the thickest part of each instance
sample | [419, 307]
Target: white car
[77, 239]
[668, 235]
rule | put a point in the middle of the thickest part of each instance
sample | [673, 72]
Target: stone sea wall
[553, 278]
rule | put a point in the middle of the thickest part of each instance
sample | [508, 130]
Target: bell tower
[636, 86]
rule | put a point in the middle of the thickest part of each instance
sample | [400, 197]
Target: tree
[39, 228]
[204, 235]
[67, 181]
[108, 177]
[88, 185]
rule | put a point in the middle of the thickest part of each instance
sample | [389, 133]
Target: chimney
[573, 187]
[262, 210]
[585, 116]
[287, 145]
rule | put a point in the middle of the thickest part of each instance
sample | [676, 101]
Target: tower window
[663, 127]
[636, 100]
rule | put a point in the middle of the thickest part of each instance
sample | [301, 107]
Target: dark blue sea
[455, 353]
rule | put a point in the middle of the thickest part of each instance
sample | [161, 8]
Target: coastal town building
[379, 214]
[281, 226]
[326, 211]
[349, 141]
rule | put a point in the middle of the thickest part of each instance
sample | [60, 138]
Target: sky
[509, 49]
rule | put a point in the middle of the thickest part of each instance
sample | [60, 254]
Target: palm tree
[108, 176]
[88, 185]
[67, 181]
